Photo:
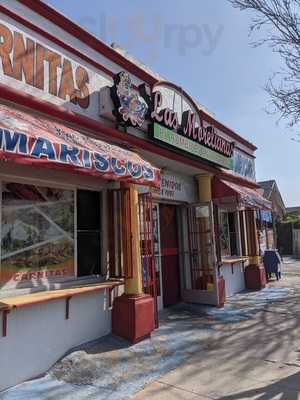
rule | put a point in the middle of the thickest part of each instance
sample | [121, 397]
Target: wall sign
[42, 67]
[180, 142]
[244, 165]
[198, 138]
[130, 108]
[190, 126]
[176, 188]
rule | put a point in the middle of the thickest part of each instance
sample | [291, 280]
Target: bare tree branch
[281, 20]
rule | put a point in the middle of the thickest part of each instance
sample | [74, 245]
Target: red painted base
[255, 277]
[221, 296]
[133, 317]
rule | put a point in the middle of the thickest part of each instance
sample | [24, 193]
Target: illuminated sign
[187, 129]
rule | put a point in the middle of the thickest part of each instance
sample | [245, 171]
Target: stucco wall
[234, 282]
[39, 335]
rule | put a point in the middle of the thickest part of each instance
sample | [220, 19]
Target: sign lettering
[23, 56]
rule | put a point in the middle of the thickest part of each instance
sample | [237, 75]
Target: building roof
[272, 193]
[268, 187]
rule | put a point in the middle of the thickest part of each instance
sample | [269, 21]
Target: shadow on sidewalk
[284, 389]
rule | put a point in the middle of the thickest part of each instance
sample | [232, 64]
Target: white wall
[37, 336]
[234, 282]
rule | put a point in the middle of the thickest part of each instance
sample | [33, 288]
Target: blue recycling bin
[272, 263]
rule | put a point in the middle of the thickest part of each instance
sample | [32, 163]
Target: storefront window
[228, 234]
[37, 233]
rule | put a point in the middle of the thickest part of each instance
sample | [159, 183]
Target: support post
[255, 275]
[205, 196]
[204, 188]
[133, 284]
[133, 312]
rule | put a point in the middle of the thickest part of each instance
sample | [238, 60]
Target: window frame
[237, 232]
[56, 185]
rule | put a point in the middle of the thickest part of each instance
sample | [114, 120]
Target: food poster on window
[37, 234]
[224, 234]
[262, 240]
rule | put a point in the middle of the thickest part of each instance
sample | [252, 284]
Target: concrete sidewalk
[257, 357]
[248, 350]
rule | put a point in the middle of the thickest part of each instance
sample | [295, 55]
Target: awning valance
[36, 140]
[245, 196]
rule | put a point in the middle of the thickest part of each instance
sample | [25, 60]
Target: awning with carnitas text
[38, 141]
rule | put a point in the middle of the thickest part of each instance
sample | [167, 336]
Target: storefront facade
[111, 182]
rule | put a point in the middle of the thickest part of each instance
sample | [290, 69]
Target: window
[88, 233]
[228, 233]
[243, 233]
[37, 233]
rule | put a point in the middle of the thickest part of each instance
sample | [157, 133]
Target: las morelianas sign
[184, 131]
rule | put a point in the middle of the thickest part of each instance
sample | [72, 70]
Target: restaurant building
[120, 195]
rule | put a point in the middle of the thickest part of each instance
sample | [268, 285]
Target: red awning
[36, 140]
[245, 196]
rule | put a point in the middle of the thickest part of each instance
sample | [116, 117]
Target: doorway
[169, 254]
[88, 233]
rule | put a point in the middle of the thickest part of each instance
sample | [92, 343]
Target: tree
[281, 22]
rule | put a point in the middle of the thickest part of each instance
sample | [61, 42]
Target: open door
[203, 287]
[169, 247]
[147, 248]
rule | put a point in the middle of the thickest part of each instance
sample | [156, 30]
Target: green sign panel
[173, 139]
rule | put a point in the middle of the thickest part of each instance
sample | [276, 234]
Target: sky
[204, 46]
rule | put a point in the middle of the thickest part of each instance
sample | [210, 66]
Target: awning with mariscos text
[36, 140]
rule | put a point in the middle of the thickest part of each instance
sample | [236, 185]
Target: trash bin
[272, 263]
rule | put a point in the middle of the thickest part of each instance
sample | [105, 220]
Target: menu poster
[37, 235]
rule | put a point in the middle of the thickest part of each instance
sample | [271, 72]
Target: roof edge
[68, 25]
[92, 41]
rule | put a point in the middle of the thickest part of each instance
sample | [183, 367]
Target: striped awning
[35, 140]
[245, 196]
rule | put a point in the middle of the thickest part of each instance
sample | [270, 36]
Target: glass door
[202, 255]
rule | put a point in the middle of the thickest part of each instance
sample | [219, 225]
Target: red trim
[238, 180]
[37, 105]
[75, 30]
[180, 90]
[228, 131]
[224, 189]
[244, 151]
[53, 39]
